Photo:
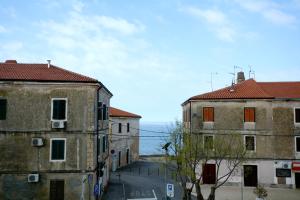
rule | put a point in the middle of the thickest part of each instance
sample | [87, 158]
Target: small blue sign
[96, 189]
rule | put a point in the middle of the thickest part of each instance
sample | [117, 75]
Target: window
[3, 105]
[58, 149]
[104, 110]
[297, 115]
[283, 172]
[100, 112]
[208, 142]
[104, 144]
[249, 114]
[297, 144]
[208, 114]
[250, 143]
[128, 127]
[57, 189]
[59, 109]
[120, 127]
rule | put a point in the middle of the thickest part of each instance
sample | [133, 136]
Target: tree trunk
[189, 194]
[212, 193]
[198, 191]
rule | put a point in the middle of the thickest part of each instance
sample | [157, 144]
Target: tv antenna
[234, 72]
[251, 72]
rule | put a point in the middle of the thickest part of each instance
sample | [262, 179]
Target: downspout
[97, 140]
[190, 117]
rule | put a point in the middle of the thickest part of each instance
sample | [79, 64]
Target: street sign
[170, 190]
[96, 189]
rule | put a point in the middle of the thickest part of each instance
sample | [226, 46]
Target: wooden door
[297, 180]
[250, 175]
[57, 189]
[209, 174]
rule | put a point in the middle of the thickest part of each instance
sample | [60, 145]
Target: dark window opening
[59, 109]
[100, 112]
[120, 128]
[104, 112]
[3, 108]
[58, 150]
[250, 143]
[57, 189]
[104, 144]
[128, 127]
[298, 144]
[297, 115]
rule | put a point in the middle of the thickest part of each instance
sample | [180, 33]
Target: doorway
[297, 180]
[57, 189]
[209, 174]
[250, 175]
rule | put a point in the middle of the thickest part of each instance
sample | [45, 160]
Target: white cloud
[270, 10]
[216, 20]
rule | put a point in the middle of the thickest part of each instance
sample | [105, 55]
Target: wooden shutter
[249, 114]
[208, 114]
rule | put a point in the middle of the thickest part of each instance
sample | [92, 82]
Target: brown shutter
[208, 114]
[249, 114]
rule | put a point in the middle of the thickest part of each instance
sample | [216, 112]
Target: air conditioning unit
[33, 178]
[58, 124]
[37, 142]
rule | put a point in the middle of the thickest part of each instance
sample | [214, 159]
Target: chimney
[49, 63]
[240, 77]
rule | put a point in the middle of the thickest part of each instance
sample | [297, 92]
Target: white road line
[155, 198]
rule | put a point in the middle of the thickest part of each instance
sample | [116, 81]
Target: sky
[154, 54]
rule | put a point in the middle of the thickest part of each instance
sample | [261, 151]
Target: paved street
[145, 180]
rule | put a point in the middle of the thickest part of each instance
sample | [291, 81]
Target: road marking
[155, 198]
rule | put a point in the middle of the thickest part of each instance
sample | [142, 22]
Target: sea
[158, 132]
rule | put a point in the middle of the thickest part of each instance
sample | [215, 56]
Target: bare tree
[192, 151]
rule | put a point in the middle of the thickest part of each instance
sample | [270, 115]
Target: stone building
[266, 114]
[124, 140]
[49, 122]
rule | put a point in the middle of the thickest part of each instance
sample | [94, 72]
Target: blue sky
[153, 55]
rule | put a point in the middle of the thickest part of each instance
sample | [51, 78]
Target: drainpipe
[97, 140]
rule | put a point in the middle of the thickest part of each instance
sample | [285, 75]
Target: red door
[209, 174]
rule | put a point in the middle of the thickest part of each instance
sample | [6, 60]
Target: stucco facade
[274, 131]
[124, 139]
[29, 110]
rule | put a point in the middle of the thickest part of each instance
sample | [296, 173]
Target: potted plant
[260, 192]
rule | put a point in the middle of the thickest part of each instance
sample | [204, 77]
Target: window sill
[249, 125]
[57, 161]
[208, 125]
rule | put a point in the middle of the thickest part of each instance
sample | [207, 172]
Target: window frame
[5, 107]
[213, 143]
[65, 150]
[253, 145]
[296, 144]
[254, 120]
[66, 109]
[213, 113]
[295, 115]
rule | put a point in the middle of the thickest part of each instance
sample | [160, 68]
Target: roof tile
[115, 112]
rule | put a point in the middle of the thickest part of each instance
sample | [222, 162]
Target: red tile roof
[115, 112]
[11, 70]
[250, 89]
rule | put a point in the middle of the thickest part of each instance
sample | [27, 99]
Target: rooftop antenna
[211, 79]
[251, 72]
[234, 72]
